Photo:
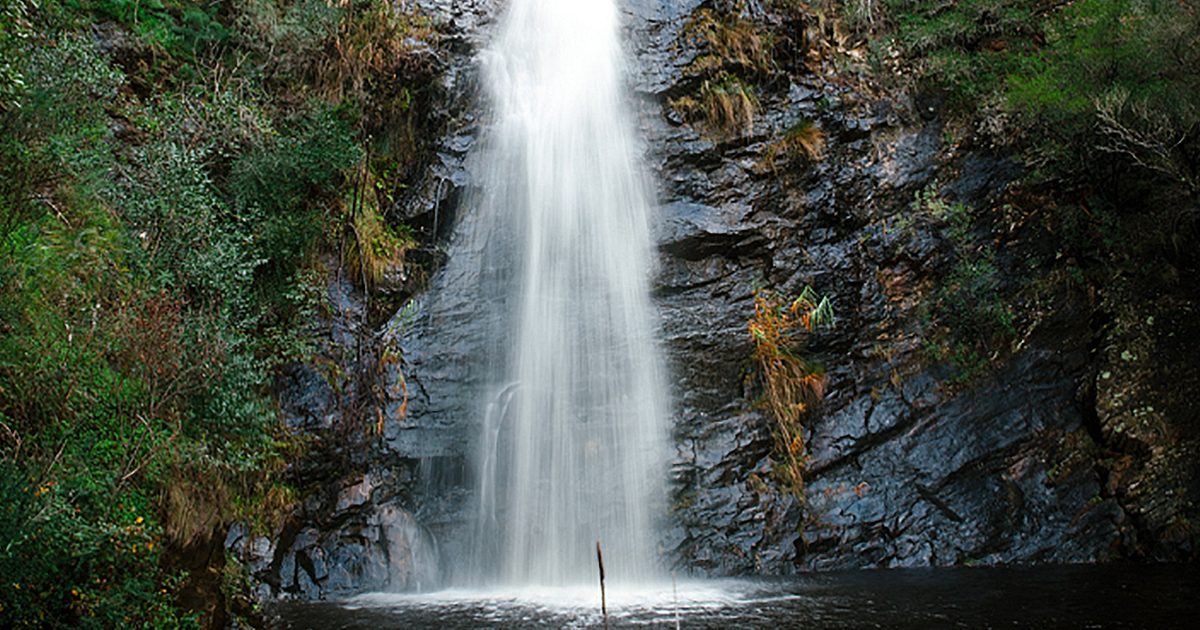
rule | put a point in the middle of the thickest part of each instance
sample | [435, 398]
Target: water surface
[1115, 596]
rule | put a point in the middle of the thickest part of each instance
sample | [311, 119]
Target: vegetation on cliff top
[1098, 97]
[170, 173]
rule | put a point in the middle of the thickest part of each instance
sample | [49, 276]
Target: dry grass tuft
[725, 106]
[792, 385]
[196, 501]
[730, 40]
[373, 41]
[803, 141]
[335, 47]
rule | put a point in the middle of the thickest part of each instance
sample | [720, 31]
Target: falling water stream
[572, 446]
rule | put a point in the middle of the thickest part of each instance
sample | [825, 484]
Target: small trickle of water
[572, 449]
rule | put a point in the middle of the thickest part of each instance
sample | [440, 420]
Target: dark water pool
[1114, 596]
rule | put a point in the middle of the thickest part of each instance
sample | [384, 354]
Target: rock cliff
[1072, 440]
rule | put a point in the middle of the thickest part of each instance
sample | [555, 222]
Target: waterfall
[572, 447]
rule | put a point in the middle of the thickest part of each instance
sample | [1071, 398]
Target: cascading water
[572, 449]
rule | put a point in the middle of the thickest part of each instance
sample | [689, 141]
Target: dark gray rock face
[907, 467]
[380, 487]
[363, 542]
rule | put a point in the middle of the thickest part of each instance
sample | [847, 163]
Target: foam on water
[577, 606]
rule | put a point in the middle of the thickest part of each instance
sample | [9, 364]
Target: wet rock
[1146, 415]
[357, 494]
[981, 177]
[381, 549]
[371, 407]
[306, 398]
[251, 549]
[905, 468]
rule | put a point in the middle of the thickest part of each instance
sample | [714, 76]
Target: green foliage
[1052, 59]
[175, 30]
[64, 566]
[376, 247]
[277, 183]
[969, 304]
[15, 29]
[1118, 77]
[964, 46]
[161, 217]
[1098, 96]
[306, 160]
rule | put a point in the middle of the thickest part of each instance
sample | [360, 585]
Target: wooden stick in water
[675, 591]
[603, 598]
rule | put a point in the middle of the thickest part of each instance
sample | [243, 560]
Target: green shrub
[70, 561]
[15, 29]
[284, 182]
[969, 308]
[159, 234]
[175, 31]
[970, 303]
[1098, 97]
[1117, 77]
[965, 47]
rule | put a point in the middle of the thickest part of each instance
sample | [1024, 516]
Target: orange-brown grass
[337, 50]
[370, 41]
[804, 141]
[792, 385]
[726, 107]
[730, 40]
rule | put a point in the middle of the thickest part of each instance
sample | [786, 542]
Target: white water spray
[573, 445]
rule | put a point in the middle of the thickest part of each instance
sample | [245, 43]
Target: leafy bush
[375, 247]
[1098, 96]
[160, 224]
[63, 565]
[176, 31]
[14, 30]
[93, 386]
[969, 304]
[1117, 76]
[964, 46]
[278, 183]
